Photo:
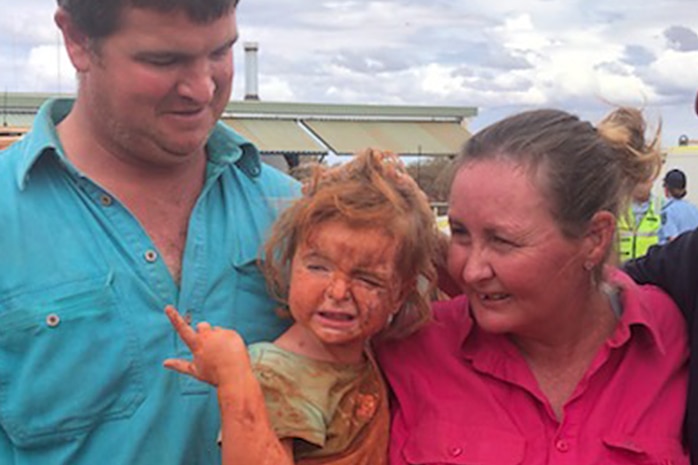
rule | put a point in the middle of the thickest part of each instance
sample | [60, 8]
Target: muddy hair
[373, 190]
[98, 19]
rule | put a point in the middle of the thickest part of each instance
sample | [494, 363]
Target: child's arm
[247, 435]
[221, 359]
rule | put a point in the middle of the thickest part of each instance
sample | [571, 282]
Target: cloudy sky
[501, 56]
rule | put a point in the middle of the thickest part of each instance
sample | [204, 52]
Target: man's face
[641, 192]
[155, 88]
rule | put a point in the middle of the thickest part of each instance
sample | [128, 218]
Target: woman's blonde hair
[583, 169]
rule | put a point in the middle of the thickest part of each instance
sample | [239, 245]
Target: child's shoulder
[269, 354]
[259, 349]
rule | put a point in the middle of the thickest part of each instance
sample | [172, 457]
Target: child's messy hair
[372, 190]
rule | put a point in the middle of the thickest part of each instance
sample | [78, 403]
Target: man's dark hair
[100, 18]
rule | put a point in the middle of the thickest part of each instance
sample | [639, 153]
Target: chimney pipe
[251, 91]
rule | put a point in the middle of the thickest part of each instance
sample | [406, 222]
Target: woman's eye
[502, 241]
[460, 235]
[457, 229]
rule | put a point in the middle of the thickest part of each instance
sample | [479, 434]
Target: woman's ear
[600, 237]
[77, 44]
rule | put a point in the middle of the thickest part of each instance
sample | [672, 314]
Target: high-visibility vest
[635, 239]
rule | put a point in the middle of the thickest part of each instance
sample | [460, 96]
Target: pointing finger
[185, 331]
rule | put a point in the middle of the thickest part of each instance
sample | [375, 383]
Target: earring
[589, 265]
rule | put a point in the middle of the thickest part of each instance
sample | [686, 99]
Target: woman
[548, 356]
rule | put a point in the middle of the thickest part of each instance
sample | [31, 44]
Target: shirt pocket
[68, 362]
[453, 443]
[251, 302]
[624, 449]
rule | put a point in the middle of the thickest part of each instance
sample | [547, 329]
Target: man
[128, 199]
[678, 215]
[674, 268]
[638, 230]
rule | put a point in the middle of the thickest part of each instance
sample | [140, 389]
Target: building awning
[276, 135]
[430, 138]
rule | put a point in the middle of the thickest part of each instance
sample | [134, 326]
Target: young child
[351, 260]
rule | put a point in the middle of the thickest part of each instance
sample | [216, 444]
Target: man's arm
[674, 268]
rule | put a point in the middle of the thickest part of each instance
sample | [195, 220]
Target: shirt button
[105, 200]
[52, 320]
[150, 256]
[455, 451]
[562, 446]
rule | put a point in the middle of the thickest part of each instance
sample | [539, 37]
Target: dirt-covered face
[344, 284]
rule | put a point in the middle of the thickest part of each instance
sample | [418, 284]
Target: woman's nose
[476, 267]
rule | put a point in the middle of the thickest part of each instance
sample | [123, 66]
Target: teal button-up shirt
[82, 291]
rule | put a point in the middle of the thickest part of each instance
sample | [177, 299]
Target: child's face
[344, 284]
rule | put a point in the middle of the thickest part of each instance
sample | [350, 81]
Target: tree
[433, 175]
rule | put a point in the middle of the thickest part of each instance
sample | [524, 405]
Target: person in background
[352, 259]
[549, 356]
[674, 268]
[638, 228]
[678, 215]
[126, 199]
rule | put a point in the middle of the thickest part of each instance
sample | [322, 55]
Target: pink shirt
[463, 396]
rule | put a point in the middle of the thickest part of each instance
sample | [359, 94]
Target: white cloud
[676, 69]
[48, 68]
[501, 56]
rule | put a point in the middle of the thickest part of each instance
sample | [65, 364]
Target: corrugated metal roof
[344, 129]
[342, 111]
[276, 136]
[246, 108]
[401, 137]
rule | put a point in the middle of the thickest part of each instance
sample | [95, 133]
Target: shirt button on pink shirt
[456, 451]
[562, 445]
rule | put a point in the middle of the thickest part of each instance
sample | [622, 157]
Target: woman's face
[508, 253]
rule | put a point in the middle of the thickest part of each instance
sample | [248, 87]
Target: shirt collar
[43, 137]
[495, 350]
[637, 313]
[224, 146]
